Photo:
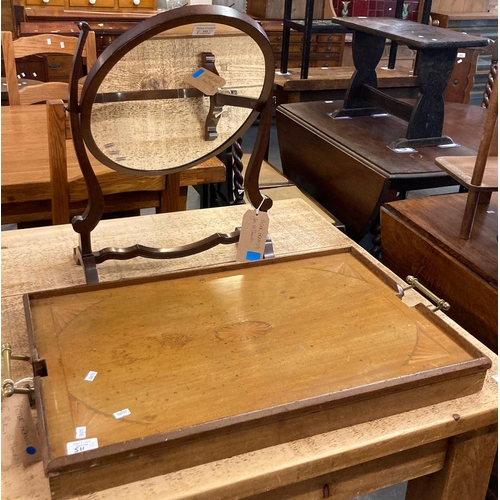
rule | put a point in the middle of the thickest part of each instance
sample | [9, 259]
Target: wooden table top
[368, 137]
[339, 78]
[25, 159]
[52, 266]
[415, 35]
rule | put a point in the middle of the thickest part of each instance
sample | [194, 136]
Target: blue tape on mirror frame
[252, 255]
[198, 73]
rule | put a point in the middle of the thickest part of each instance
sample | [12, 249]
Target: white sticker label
[207, 30]
[405, 150]
[81, 432]
[91, 376]
[461, 55]
[49, 41]
[62, 45]
[121, 413]
[81, 446]
[495, 378]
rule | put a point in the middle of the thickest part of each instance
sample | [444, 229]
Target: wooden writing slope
[208, 364]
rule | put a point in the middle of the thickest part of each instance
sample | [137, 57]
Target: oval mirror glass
[174, 99]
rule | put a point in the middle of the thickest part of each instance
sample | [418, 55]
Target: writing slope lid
[197, 352]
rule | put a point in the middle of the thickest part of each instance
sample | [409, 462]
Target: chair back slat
[44, 92]
[40, 44]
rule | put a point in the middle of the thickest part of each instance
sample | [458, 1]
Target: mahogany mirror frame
[80, 111]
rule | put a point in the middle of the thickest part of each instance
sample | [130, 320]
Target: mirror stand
[84, 224]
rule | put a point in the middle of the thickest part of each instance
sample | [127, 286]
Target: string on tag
[258, 208]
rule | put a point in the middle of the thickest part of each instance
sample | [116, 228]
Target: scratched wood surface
[51, 266]
[166, 133]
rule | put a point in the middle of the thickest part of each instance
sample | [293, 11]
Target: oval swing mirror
[173, 91]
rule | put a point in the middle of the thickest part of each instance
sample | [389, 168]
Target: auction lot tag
[203, 30]
[205, 81]
[253, 235]
[20, 441]
[81, 446]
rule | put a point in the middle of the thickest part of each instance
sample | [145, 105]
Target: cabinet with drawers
[326, 49]
[474, 23]
[95, 5]
[273, 9]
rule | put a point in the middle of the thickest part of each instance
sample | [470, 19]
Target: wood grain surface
[421, 237]
[339, 78]
[461, 168]
[26, 186]
[375, 445]
[246, 329]
[346, 165]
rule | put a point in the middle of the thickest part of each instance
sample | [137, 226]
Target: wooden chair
[122, 192]
[40, 44]
[478, 174]
[492, 75]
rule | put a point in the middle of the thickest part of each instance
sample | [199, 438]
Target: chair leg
[469, 214]
[170, 197]
[56, 126]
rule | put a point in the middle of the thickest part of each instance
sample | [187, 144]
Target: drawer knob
[137, 2]
[92, 2]
[279, 38]
[45, 1]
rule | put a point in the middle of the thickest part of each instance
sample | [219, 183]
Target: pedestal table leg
[433, 74]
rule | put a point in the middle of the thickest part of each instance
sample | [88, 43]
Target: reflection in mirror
[147, 117]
